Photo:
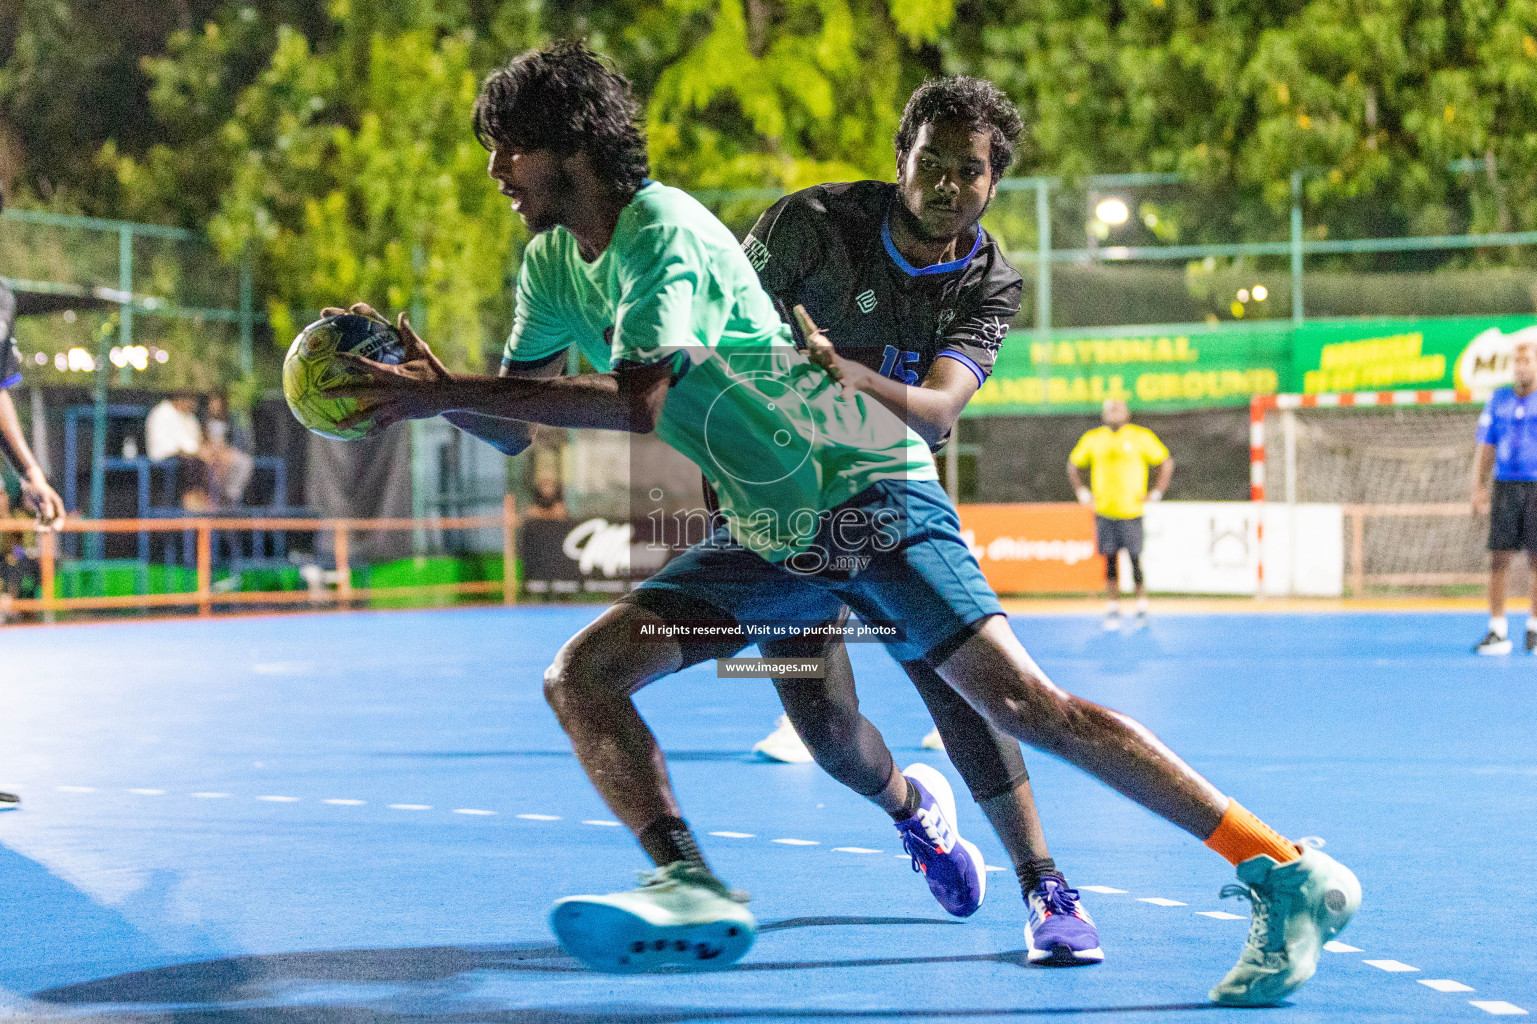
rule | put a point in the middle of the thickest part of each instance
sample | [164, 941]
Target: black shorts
[1119, 534]
[1513, 516]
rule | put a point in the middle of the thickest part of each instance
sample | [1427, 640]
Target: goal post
[1397, 463]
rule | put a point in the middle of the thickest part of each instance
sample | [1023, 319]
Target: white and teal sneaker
[1297, 906]
[681, 916]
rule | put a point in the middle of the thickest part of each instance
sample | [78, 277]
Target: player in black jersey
[918, 298]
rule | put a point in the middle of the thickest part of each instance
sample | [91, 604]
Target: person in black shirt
[918, 298]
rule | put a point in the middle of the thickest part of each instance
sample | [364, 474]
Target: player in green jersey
[828, 500]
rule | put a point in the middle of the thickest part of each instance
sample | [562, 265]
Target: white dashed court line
[1491, 1006]
[1498, 1007]
[1391, 966]
[1445, 985]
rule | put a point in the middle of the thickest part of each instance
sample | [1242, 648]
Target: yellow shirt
[1118, 461]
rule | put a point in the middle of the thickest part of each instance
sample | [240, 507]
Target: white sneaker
[1493, 644]
[1112, 622]
[933, 741]
[783, 744]
[681, 917]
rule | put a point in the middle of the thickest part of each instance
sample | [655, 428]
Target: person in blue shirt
[1507, 446]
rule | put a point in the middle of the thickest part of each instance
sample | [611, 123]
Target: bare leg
[1001, 681]
[1499, 582]
[1531, 562]
[589, 687]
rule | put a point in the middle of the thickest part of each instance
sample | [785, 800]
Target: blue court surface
[365, 817]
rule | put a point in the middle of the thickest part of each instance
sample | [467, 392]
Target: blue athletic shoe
[1058, 931]
[952, 866]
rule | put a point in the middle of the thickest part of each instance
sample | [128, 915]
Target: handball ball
[311, 367]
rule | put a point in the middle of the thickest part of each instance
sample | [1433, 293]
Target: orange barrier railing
[204, 598]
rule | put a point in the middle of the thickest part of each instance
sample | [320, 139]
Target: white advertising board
[1213, 547]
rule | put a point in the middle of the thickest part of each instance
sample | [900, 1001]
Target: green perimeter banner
[1472, 353]
[1171, 368]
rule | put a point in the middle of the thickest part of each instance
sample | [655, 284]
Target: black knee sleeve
[1113, 567]
[989, 761]
[1136, 569]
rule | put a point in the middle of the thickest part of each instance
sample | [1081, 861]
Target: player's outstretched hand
[818, 348]
[388, 395]
[420, 362]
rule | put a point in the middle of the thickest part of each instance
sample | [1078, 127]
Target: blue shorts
[893, 553]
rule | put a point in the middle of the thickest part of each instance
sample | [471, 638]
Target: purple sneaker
[1058, 931]
[952, 866]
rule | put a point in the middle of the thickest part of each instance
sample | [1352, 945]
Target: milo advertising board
[1467, 353]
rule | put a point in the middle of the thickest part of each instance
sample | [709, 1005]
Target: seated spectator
[229, 467]
[171, 431]
[548, 500]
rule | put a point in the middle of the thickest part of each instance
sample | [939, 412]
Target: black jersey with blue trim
[829, 248]
[10, 355]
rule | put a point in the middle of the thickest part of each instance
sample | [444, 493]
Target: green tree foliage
[331, 140]
[1372, 98]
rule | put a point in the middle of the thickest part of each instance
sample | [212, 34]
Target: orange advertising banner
[1034, 548]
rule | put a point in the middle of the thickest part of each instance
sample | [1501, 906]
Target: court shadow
[258, 978]
[826, 922]
[67, 933]
[639, 1014]
[566, 755]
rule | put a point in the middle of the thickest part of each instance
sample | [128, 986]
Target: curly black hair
[565, 98]
[972, 101]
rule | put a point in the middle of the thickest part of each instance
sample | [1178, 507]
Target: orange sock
[1240, 835]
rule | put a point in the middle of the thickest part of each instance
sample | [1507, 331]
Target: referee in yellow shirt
[1118, 456]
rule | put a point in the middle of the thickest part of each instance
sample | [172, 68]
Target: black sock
[910, 807]
[668, 840]
[1033, 870]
